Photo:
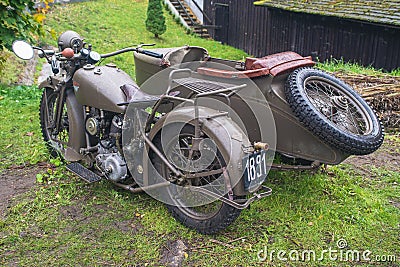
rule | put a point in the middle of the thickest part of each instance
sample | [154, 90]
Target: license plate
[256, 169]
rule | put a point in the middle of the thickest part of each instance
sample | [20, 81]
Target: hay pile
[381, 92]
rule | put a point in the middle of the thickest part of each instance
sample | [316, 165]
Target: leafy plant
[17, 22]
[155, 22]
[51, 174]
[334, 65]
[19, 19]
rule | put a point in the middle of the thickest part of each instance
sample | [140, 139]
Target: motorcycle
[200, 134]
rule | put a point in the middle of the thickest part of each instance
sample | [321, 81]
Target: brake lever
[141, 45]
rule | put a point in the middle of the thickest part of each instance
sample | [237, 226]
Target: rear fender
[227, 135]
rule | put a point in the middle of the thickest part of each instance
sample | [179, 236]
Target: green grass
[21, 136]
[10, 67]
[71, 223]
[65, 222]
[334, 65]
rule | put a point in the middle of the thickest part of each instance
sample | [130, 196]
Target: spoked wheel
[56, 140]
[333, 111]
[205, 167]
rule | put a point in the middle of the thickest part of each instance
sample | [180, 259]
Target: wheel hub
[340, 102]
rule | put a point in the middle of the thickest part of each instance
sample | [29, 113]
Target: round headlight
[70, 39]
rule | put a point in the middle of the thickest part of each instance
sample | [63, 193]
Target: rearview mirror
[22, 50]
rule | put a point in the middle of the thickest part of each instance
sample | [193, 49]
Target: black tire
[333, 111]
[220, 220]
[199, 218]
[56, 141]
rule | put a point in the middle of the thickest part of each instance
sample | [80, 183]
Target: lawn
[62, 221]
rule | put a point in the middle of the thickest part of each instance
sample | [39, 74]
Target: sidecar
[318, 119]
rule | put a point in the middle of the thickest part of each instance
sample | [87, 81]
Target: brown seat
[135, 95]
[273, 64]
[279, 63]
[232, 74]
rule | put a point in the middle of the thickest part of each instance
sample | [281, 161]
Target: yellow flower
[39, 17]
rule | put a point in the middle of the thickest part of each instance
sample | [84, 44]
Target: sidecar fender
[227, 135]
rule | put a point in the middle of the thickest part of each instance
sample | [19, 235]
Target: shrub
[155, 22]
[17, 22]
[19, 19]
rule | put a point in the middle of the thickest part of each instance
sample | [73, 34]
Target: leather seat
[134, 94]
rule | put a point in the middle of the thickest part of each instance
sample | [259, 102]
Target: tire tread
[319, 125]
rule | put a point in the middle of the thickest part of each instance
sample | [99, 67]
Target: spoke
[177, 153]
[317, 85]
[328, 89]
[354, 116]
[353, 121]
[209, 176]
[358, 119]
[316, 98]
[62, 137]
[348, 120]
[321, 94]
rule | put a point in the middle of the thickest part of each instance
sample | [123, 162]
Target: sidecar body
[293, 140]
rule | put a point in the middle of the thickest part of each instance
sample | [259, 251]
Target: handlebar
[46, 53]
[151, 53]
[133, 49]
[54, 58]
[72, 59]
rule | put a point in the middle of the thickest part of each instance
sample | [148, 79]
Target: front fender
[77, 139]
[76, 132]
[50, 82]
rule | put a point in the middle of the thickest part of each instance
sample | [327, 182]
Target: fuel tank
[100, 87]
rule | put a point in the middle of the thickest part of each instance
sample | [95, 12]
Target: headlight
[70, 39]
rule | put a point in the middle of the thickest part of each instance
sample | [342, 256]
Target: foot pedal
[83, 172]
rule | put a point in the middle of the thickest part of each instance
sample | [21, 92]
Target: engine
[105, 136]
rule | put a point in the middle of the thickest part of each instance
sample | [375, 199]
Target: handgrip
[48, 53]
[55, 67]
[152, 54]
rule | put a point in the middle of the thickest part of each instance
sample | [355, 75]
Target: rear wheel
[56, 139]
[206, 218]
[333, 111]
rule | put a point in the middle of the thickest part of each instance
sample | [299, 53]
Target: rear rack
[201, 87]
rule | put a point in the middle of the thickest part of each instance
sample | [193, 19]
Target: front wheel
[56, 139]
[333, 111]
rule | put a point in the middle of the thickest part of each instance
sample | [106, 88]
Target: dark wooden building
[362, 31]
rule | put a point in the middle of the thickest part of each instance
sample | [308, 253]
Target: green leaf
[39, 178]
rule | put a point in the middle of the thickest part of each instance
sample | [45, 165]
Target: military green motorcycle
[200, 134]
